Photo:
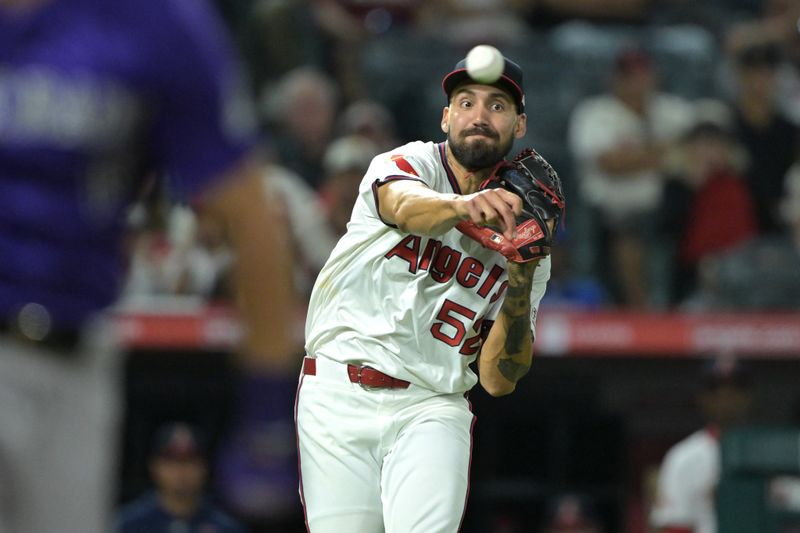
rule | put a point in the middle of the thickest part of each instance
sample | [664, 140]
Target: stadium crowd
[677, 138]
[674, 124]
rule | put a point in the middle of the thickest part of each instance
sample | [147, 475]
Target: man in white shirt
[620, 141]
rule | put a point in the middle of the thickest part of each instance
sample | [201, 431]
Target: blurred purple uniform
[94, 95]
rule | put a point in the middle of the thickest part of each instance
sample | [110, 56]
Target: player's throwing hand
[492, 207]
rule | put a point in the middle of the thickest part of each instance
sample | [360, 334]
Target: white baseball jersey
[687, 484]
[412, 306]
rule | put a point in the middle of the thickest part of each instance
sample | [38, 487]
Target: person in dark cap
[707, 208]
[403, 307]
[178, 469]
[689, 474]
[769, 138]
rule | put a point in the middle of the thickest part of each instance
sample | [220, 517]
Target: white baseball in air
[485, 63]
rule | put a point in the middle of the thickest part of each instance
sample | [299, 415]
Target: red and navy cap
[510, 81]
[178, 441]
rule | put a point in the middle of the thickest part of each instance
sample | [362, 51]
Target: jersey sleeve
[401, 164]
[204, 120]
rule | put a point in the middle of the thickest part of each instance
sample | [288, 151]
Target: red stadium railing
[559, 333]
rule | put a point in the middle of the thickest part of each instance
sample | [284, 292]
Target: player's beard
[478, 153]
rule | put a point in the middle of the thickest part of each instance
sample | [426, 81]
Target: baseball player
[177, 502]
[689, 474]
[401, 310]
[94, 96]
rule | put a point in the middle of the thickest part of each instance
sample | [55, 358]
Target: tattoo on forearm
[516, 308]
[515, 344]
[512, 370]
[518, 331]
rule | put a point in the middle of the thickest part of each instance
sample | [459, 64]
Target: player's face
[481, 123]
[179, 478]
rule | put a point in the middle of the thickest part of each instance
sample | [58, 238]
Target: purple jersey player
[94, 95]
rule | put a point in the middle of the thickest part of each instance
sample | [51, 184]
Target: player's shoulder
[698, 449]
[416, 158]
[136, 513]
[224, 522]
[422, 150]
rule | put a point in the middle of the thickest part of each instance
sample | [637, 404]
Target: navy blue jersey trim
[384, 181]
[451, 177]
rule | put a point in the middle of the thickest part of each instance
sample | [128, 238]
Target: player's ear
[445, 119]
[521, 127]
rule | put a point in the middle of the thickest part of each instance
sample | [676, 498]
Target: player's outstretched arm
[417, 209]
[263, 273]
[507, 353]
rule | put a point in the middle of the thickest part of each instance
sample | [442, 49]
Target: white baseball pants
[381, 460]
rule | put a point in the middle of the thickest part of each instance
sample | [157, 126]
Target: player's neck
[178, 506]
[468, 181]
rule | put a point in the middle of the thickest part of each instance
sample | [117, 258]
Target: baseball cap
[178, 441]
[724, 370]
[510, 81]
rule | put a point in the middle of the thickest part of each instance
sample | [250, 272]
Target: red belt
[363, 375]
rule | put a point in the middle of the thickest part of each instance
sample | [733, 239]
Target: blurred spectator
[547, 13]
[207, 259]
[706, 207]
[790, 204]
[369, 119]
[178, 468]
[276, 36]
[620, 141]
[770, 139]
[690, 470]
[777, 26]
[346, 161]
[154, 265]
[568, 288]
[471, 22]
[180, 252]
[313, 236]
[303, 109]
[570, 513]
[761, 274]
[176, 252]
[349, 25]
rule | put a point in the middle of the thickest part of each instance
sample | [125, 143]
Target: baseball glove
[531, 178]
